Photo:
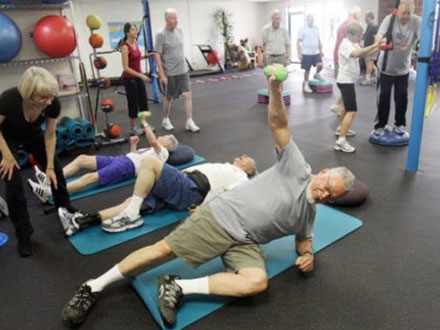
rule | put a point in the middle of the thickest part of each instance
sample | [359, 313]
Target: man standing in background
[369, 35]
[173, 71]
[276, 41]
[309, 49]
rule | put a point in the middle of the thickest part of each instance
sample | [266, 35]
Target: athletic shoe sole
[338, 148]
[132, 225]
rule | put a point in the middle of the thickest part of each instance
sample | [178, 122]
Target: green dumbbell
[281, 72]
[143, 114]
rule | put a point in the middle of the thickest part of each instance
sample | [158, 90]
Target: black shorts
[308, 60]
[348, 94]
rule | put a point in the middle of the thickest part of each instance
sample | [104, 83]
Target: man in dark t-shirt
[369, 35]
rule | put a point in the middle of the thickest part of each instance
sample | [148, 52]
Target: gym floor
[383, 276]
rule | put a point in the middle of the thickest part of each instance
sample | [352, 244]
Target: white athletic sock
[111, 276]
[340, 140]
[133, 208]
[197, 285]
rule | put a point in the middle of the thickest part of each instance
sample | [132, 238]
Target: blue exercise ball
[10, 38]
[54, 1]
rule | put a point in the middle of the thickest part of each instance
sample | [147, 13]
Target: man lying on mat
[278, 202]
[108, 169]
[159, 185]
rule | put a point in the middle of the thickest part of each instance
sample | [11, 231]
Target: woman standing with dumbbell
[134, 79]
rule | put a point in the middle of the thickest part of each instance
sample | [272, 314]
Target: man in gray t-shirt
[276, 41]
[405, 32]
[173, 71]
[278, 202]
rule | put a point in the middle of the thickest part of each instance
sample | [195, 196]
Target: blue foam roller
[74, 127]
[23, 157]
[389, 139]
[71, 145]
[3, 239]
[62, 134]
[89, 129]
[84, 143]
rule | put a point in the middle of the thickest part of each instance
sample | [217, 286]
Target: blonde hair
[36, 80]
[354, 28]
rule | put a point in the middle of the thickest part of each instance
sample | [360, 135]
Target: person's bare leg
[82, 182]
[306, 75]
[138, 261]
[114, 210]
[166, 107]
[133, 123]
[187, 97]
[346, 121]
[246, 282]
[82, 162]
[319, 67]
[369, 64]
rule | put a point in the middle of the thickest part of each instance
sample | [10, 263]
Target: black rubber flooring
[383, 276]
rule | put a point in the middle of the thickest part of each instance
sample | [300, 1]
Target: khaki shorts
[274, 59]
[200, 238]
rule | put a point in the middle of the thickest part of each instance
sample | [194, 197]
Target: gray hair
[276, 12]
[170, 11]
[354, 28]
[346, 175]
[354, 10]
[410, 3]
[36, 80]
[172, 143]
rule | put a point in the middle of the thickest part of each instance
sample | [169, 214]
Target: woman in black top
[22, 111]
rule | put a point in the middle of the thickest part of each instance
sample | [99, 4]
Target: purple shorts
[114, 169]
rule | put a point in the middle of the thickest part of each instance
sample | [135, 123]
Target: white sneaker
[191, 126]
[318, 77]
[366, 82]
[136, 131]
[378, 131]
[307, 89]
[400, 129]
[41, 191]
[336, 109]
[344, 146]
[68, 222]
[350, 132]
[4, 207]
[122, 222]
[166, 124]
[41, 176]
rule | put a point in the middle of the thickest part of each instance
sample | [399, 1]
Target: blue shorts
[174, 190]
[309, 60]
[114, 169]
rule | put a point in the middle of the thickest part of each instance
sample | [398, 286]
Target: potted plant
[224, 24]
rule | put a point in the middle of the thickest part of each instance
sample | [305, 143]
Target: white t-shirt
[138, 156]
[349, 69]
[221, 177]
[309, 37]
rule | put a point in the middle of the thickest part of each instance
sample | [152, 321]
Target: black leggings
[136, 92]
[15, 195]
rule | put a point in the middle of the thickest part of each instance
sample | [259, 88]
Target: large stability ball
[53, 1]
[10, 38]
[214, 57]
[54, 35]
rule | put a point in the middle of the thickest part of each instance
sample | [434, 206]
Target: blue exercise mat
[94, 239]
[331, 225]
[95, 188]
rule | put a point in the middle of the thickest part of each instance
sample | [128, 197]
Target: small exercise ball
[100, 62]
[112, 131]
[10, 38]
[96, 41]
[54, 35]
[93, 22]
[107, 105]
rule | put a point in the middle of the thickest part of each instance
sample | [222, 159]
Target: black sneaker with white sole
[76, 310]
[122, 222]
[169, 294]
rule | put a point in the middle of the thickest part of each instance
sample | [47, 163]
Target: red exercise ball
[107, 105]
[96, 41]
[100, 62]
[213, 58]
[54, 35]
[112, 131]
